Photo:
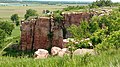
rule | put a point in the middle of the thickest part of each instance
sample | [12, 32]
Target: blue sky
[75, 0]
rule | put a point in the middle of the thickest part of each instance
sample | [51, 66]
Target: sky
[75, 0]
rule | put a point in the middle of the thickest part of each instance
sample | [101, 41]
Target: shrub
[30, 12]
[7, 27]
[15, 18]
[111, 42]
[98, 36]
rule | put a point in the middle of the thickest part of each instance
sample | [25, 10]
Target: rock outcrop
[45, 32]
[74, 18]
[36, 34]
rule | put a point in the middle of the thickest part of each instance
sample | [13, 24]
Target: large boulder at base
[55, 51]
[63, 52]
[84, 51]
[41, 54]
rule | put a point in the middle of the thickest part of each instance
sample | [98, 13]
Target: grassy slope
[111, 59]
[16, 31]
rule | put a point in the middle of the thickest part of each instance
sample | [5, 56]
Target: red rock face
[41, 33]
[27, 34]
[74, 18]
[34, 34]
[57, 37]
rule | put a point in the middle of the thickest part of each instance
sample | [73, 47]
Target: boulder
[63, 52]
[41, 54]
[55, 51]
[84, 51]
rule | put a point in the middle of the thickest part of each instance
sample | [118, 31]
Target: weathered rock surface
[27, 29]
[55, 51]
[41, 33]
[63, 52]
[74, 18]
[41, 54]
[84, 51]
[34, 33]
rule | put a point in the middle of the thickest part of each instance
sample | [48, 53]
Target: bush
[111, 42]
[30, 12]
[17, 23]
[7, 27]
[98, 36]
[101, 3]
[81, 31]
[15, 17]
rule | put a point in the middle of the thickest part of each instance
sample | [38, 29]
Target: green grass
[109, 59]
[14, 36]
[16, 31]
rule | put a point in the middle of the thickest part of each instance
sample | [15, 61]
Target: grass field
[109, 59]
[7, 11]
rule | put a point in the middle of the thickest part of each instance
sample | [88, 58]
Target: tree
[101, 3]
[7, 27]
[15, 17]
[5, 30]
[111, 42]
[17, 23]
[30, 12]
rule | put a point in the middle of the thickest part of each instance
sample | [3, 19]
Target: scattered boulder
[41, 54]
[55, 51]
[84, 51]
[63, 52]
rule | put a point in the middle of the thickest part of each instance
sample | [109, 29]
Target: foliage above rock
[30, 12]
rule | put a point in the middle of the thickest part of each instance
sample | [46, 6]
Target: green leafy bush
[15, 19]
[30, 12]
[111, 42]
[7, 27]
[81, 31]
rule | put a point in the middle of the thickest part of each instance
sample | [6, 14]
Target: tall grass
[108, 59]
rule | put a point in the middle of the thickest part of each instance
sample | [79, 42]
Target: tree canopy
[5, 29]
[30, 12]
[15, 19]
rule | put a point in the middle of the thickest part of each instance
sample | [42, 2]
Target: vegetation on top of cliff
[30, 12]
